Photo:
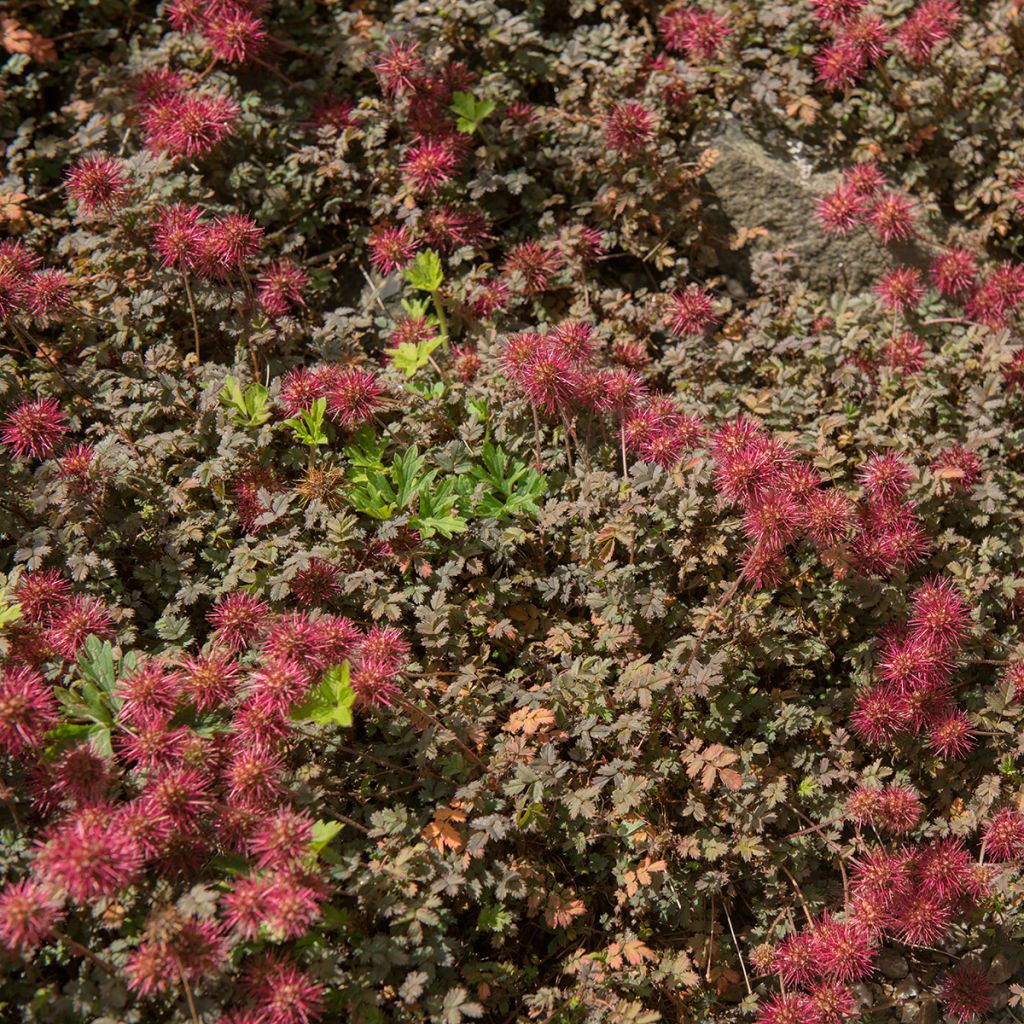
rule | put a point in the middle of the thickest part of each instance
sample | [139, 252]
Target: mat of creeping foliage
[511, 512]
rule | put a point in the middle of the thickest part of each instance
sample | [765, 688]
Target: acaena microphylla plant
[571, 579]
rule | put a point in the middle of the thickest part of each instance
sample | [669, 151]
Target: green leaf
[250, 408]
[331, 700]
[9, 613]
[307, 427]
[409, 357]
[470, 111]
[494, 918]
[96, 664]
[425, 272]
[323, 833]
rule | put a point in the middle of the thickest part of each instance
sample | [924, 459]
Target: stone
[865, 995]
[759, 185]
[893, 965]
[928, 1012]
[906, 989]
[1000, 969]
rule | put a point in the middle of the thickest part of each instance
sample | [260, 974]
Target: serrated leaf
[425, 272]
[331, 701]
[323, 833]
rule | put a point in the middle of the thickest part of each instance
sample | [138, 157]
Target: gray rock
[755, 185]
[906, 989]
[864, 994]
[893, 965]
[1001, 969]
[928, 1012]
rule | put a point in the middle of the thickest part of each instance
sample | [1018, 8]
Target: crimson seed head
[844, 950]
[49, 294]
[690, 312]
[864, 804]
[940, 616]
[794, 959]
[549, 379]
[885, 477]
[575, 339]
[836, 12]
[840, 65]
[868, 34]
[834, 1003]
[920, 918]
[930, 24]
[41, 594]
[28, 709]
[628, 128]
[892, 217]
[98, 182]
[34, 429]
[238, 619]
[699, 34]
[186, 15]
[235, 35]
[354, 396]
[28, 912]
[210, 681]
[532, 267]
[179, 236]
[899, 808]
[188, 126]
[788, 1008]
[15, 293]
[841, 210]
[1003, 835]
[253, 778]
[80, 618]
[391, 248]
[230, 242]
[957, 467]
[520, 349]
[966, 992]
[278, 685]
[279, 287]
[88, 857]
[317, 583]
[955, 273]
[282, 993]
[149, 688]
[398, 67]
[300, 389]
[944, 869]
[156, 84]
[772, 518]
[951, 735]
[466, 361]
[905, 353]
[875, 715]
[900, 290]
[282, 841]
[881, 876]
[827, 516]
[865, 179]
[430, 163]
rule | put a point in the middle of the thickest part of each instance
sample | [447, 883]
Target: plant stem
[80, 950]
[192, 307]
[442, 320]
[732, 932]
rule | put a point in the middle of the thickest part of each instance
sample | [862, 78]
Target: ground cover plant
[453, 567]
